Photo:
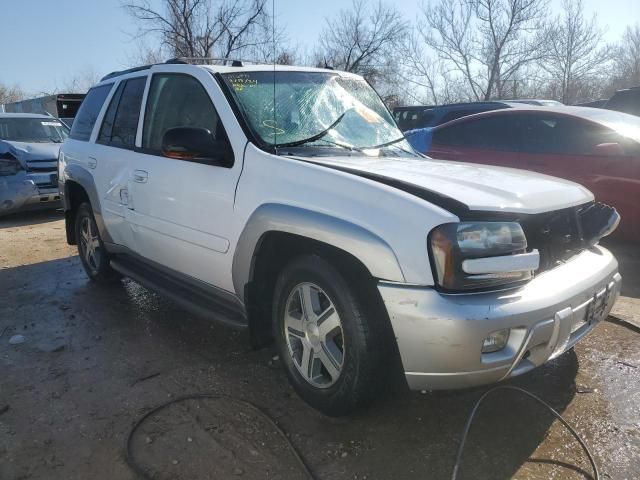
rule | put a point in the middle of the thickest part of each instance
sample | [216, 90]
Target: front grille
[42, 166]
[556, 235]
[562, 234]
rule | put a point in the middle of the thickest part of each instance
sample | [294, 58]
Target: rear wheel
[325, 339]
[93, 256]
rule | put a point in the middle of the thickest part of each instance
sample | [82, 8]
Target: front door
[181, 212]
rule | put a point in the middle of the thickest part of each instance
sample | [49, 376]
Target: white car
[315, 225]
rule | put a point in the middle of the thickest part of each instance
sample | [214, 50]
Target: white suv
[315, 225]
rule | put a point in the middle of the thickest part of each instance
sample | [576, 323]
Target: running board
[206, 304]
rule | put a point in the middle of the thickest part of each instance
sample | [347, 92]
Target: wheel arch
[79, 187]
[277, 233]
[369, 249]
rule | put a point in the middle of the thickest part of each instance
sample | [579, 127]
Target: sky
[45, 43]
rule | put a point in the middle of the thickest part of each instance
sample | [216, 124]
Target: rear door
[114, 156]
[182, 210]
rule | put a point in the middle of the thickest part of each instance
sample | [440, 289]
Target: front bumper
[440, 336]
[20, 192]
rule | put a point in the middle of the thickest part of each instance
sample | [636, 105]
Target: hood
[471, 186]
[26, 152]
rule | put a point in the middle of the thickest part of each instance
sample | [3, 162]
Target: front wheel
[325, 340]
[93, 255]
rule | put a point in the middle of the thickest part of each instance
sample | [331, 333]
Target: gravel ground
[94, 360]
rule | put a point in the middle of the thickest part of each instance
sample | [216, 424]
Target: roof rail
[234, 62]
[129, 70]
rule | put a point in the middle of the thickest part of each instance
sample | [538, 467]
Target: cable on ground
[300, 460]
[143, 473]
[467, 427]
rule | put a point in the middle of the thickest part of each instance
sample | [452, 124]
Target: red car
[597, 148]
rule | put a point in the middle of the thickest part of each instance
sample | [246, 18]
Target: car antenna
[273, 41]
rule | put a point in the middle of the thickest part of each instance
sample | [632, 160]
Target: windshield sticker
[51, 124]
[241, 81]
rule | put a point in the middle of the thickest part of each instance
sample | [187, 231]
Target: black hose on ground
[300, 460]
[144, 474]
[467, 427]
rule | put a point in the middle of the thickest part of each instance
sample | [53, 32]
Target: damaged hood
[478, 187]
[27, 152]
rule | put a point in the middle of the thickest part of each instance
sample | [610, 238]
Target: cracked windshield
[317, 111]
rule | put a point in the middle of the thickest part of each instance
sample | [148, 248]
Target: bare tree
[485, 42]
[627, 57]
[11, 94]
[205, 28]
[425, 79]
[363, 39]
[577, 53]
[80, 82]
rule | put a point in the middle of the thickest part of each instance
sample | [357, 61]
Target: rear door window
[88, 112]
[559, 135]
[121, 120]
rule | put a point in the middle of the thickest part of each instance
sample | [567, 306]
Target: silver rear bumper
[440, 336]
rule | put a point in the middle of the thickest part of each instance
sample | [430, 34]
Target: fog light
[495, 341]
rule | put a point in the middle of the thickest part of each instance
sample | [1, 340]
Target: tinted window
[125, 123]
[177, 100]
[488, 133]
[560, 135]
[109, 117]
[412, 119]
[88, 112]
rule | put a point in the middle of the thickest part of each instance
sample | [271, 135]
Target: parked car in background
[537, 101]
[315, 225]
[62, 105]
[29, 146]
[409, 118]
[627, 101]
[597, 148]
[593, 104]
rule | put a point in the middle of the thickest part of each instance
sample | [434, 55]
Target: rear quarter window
[88, 112]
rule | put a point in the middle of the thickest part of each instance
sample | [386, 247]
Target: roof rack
[234, 62]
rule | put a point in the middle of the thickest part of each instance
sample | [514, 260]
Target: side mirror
[613, 149]
[196, 144]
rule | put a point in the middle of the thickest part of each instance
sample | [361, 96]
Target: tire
[93, 255]
[340, 371]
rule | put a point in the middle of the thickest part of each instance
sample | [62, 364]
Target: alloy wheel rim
[314, 335]
[90, 244]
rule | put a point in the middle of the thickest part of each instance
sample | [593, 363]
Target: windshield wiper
[386, 144]
[393, 142]
[317, 136]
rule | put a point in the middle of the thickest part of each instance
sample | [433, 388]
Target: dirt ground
[94, 360]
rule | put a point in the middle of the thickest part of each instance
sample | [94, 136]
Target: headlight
[480, 255]
[9, 165]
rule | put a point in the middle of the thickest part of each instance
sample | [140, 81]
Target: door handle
[140, 176]
[92, 162]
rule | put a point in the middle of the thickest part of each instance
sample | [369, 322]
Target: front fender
[376, 255]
